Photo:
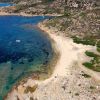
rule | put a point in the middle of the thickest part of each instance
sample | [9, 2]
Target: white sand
[66, 79]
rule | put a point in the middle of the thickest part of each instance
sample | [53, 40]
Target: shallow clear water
[23, 49]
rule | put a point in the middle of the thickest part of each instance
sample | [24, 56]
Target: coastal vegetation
[85, 41]
[79, 20]
[30, 89]
[94, 63]
[86, 75]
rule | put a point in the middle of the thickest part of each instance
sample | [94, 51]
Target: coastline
[62, 72]
[58, 36]
[66, 69]
[2, 13]
[55, 51]
[38, 76]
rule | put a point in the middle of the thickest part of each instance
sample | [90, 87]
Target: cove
[23, 49]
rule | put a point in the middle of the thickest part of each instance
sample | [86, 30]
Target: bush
[92, 87]
[98, 44]
[94, 64]
[91, 54]
[98, 49]
[31, 89]
[88, 65]
[84, 41]
[76, 94]
[86, 75]
[97, 68]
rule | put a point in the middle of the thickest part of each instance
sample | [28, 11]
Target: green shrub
[77, 40]
[86, 75]
[98, 44]
[98, 49]
[76, 94]
[97, 60]
[84, 41]
[97, 68]
[92, 87]
[94, 64]
[31, 89]
[91, 54]
[88, 65]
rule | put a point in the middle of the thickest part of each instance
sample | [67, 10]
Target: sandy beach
[68, 81]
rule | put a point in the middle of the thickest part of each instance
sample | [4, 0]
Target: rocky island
[74, 33]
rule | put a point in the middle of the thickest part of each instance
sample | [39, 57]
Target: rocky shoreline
[68, 81]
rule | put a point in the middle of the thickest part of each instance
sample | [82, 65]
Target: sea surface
[5, 4]
[24, 49]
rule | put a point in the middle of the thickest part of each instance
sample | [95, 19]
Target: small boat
[18, 41]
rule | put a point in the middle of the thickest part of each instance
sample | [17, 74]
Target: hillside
[33, 7]
[75, 37]
[79, 16]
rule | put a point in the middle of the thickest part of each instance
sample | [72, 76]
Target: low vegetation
[86, 75]
[76, 94]
[92, 87]
[98, 44]
[94, 63]
[85, 41]
[98, 49]
[91, 54]
[31, 89]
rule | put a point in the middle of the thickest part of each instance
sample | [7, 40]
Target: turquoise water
[5, 4]
[23, 49]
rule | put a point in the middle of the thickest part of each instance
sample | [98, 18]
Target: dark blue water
[5, 4]
[23, 49]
